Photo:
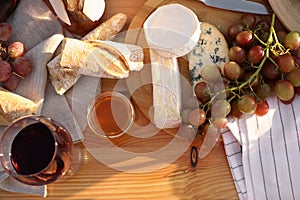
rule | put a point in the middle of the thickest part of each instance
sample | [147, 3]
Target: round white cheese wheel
[172, 30]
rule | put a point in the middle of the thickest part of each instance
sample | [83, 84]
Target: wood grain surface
[210, 179]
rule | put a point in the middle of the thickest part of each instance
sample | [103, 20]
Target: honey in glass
[111, 114]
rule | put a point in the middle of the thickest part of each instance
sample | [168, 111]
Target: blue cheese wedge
[211, 49]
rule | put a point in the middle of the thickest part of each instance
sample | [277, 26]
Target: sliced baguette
[100, 59]
[92, 58]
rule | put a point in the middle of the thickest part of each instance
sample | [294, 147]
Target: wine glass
[36, 150]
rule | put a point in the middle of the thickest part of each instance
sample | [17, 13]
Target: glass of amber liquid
[111, 114]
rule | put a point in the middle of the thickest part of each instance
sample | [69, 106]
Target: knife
[59, 8]
[238, 5]
[210, 140]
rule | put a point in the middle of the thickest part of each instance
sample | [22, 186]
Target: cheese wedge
[211, 49]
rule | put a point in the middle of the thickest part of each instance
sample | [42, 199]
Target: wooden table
[210, 179]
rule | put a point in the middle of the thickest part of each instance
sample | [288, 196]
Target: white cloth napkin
[10, 184]
[264, 152]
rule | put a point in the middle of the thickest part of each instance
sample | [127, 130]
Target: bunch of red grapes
[263, 62]
[13, 65]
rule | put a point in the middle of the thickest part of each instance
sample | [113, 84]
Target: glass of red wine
[36, 150]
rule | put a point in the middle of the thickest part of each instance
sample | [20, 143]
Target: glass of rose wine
[36, 150]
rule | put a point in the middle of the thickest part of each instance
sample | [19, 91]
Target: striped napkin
[264, 152]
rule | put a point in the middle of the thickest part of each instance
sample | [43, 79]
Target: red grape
[21, 66]
[185, 115]
[270, 71]
[263, 26]
[210, 73]
[5, 70]
[292, 40]
[281, 36]
[219, 122]
[244, 38]
[247, 104]
[262, 108]
[220, 108]
[16, 49]
[234, 29]
[5, 31]
[294, 76]
[284, 90]
[237, 54]
[12, 82]
[232, 70]
[202, 92]
[265, 36]
[286, 63]
[248, 20]
[197, 117]
[235, 112]
[263, 90]
[255, 54]
[274, 56]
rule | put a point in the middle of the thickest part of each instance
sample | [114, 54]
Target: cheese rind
[167, 30]
[166, 91]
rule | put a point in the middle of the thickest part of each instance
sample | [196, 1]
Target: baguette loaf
[108, 29]
[13, 106]
[62, 80]
[100, 58]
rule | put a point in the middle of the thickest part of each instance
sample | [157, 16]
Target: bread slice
[13, 106]
[61, 80]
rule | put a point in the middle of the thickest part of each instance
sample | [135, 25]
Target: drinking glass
[111, 114]
[36, 150]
